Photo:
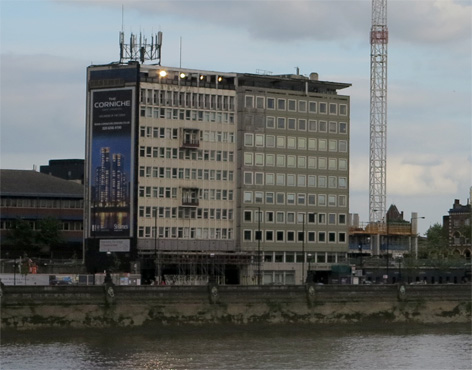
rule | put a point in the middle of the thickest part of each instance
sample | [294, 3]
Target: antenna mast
[378, 112]
[141, 50]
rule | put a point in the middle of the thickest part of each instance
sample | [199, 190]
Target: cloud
[445, 22]
[42, 109]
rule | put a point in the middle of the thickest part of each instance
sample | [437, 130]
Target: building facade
[241, 177]
[457, 226]
[31, 197]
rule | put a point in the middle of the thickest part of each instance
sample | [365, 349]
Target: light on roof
[162, 73]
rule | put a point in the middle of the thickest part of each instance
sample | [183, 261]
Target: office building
[240, 177]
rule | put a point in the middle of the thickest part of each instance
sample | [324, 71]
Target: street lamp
[309, 268]
[258, 238]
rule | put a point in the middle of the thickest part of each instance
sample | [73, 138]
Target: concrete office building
[243, 177]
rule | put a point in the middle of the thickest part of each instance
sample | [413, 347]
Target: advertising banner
[111, 162]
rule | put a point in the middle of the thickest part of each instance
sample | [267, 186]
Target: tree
[49, 235]
[21, 239]
[436, 242]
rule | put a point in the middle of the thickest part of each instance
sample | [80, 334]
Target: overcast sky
[47, 45]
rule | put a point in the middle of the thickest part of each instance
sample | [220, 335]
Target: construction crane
[378, 113]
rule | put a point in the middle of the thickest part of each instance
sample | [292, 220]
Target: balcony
[190, 197]
[190, 138]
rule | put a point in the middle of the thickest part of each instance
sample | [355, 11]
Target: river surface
[242, 347]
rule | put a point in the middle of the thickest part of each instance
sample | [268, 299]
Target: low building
[32, 196]
[67, 169]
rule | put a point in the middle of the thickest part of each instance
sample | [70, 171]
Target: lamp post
[309, 268]
[258, 238]
[303, 248]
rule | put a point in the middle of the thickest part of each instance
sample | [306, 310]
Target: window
[290, 198]
[259, 178]
[280, 179]
[269, 216]
[292, 124]
[248, 139]
[333, 108]
[323, 126]
[248, 216]
[301, 161]
[312, 125]
[269, 236]
[332, 237]
[302, 143]
[342, 127]
[321, 239]
[302, 106]
[302, 124]
[290, 236]
[333, 127]
[342, 146]
[280, 216]
[281, 123]
[270, 103]
[291, 142]
[292, 105]
[323, 108]
[343, 109]
[259, 140]
[260, 102]
[249, 101]
[290, 217]
[280, 198]
[332, 218]
[312, 106]
[281, 104]
[270, 141]
[248, 159]
[270, 178]
[291, 161]
[280, 236]
[248, 235]
[290, 180]
[270, 122]
[270, 160]
[259, 197]
[342, 219]
[259, 159]
[269, 197]
[248, 197]
[280, 141]
[280, 160]
[247, 178]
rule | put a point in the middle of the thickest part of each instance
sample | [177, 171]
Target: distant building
[67, 169]
[196, 172]
[32, 196]
[458, 228]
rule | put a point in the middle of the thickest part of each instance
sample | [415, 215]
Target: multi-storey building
[457, 227]
[242, 176]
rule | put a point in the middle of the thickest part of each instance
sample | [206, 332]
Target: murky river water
[242, 347]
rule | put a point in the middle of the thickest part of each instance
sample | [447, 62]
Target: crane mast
[378, 113]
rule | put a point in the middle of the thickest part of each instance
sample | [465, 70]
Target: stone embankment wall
[24, 307]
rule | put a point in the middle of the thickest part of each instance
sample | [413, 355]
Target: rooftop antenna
[180, 66]
[141, 50]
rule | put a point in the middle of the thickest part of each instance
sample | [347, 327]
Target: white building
[214, 160]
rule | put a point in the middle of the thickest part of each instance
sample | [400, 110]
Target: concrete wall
[121, 306]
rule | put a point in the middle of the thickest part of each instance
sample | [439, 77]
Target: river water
[242, 347]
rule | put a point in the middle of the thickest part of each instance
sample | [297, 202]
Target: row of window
[41, 203]
[289, 236]
[187, 115]
[63, 225]
[292, 105]
[203, 194]
[283, 123]
[291, 142]
[293, 161]
[280, 217]
[186, 173]
[188, 154]
[282, 179]
[173, 133]
[186, 99]
[191, 233]
[186, 213]
[304, 257]
[280, 198]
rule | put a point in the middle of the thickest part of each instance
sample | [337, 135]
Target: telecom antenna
[141, 50]
[378, 112]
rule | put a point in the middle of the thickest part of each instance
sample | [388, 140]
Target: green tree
[436, 242]
[21, 239]
[49, 235]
